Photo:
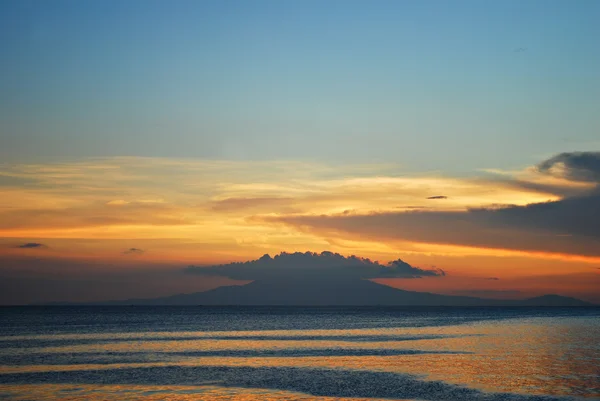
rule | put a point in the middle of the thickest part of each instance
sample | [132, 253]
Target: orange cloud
[228, 208]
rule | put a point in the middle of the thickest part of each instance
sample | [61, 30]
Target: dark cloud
[576, 216]
[548, 188]
[438, 197]
[31, 245]
[326, 265]
[583, 167]
[570, 225]
[493, 278]
[520, 50]
[133, 251]
[576, 166]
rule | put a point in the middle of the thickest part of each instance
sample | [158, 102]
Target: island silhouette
[325, 279]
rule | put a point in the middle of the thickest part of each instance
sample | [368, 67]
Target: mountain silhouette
[328, 279]
[554, 300]
[351, 292]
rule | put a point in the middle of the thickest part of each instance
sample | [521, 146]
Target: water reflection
[151, 393]
[530, 356]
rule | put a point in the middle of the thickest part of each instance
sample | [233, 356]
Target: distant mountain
[326, 278]
[554, 300]
[353, 292]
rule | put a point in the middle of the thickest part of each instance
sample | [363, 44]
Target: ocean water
[296, 353]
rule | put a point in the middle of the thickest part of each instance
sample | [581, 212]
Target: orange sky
[178, 212]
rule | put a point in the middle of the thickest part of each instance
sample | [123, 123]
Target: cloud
[215, 201]
[563, 189]
[118, 202]
[438, 197]
[324, 265]
[226, 203]
[31, 245]
[570, 225]
[14, 181]
[235, 204]
[94, 215]
[492, 278]
[133, 251]
[576, 166]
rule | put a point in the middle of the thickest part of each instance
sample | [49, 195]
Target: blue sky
[430, 85]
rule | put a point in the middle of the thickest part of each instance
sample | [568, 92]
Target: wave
[316, 382]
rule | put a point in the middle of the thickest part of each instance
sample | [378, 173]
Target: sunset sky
[140, 137]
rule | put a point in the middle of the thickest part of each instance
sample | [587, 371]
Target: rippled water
[155, 353]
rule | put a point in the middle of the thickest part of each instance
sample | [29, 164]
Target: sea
[299, 353]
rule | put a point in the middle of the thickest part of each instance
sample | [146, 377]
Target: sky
[140, 137]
